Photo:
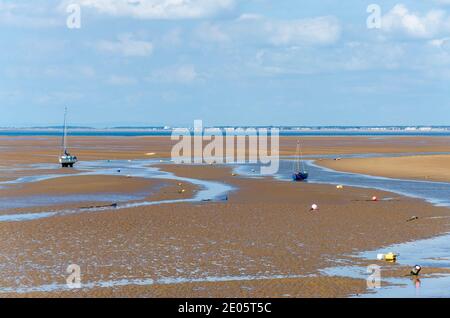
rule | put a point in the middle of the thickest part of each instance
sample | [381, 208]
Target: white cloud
[322, 30]
[126, 46]
[209, 32]
[48, 72]
[350, 57]
[24, 15]
[157, 9]
[250, 16]
[172, 38]
[121, 80]
[57, 97]
[252, 28]
[183, 74]
[443, 2]
[443, 44]
[401, 20]
[87, 71]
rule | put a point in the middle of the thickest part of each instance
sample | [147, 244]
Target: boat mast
[64, 141]
[301, 158]
[296, 165]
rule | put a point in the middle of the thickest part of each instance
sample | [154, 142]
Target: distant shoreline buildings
[284, 130]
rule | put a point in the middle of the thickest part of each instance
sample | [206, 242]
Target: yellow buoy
[389, 257]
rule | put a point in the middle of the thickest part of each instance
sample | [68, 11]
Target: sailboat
[66, 159]
[300, 173]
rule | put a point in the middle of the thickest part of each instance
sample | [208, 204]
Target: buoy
[416, 270]
[314, 207]
[389, 257]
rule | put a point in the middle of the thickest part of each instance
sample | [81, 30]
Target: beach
[29, 149]
[431, 167]
[230, 149]
[262, 240]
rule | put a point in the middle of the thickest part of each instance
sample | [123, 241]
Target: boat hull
[300, 176]
[68, 161]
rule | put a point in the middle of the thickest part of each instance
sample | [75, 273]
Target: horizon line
[281, 127]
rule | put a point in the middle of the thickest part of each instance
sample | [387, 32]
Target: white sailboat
[66, 159]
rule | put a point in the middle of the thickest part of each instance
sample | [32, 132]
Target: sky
[226, 62]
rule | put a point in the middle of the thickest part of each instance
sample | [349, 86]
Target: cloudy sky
[257, 62]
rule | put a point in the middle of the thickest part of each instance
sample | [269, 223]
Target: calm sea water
[116, 133]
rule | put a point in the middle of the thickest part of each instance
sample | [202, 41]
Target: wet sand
[81, 184]
[431, 168]
[105, 188]
[263, 242]
[265, 229]
[45, 149]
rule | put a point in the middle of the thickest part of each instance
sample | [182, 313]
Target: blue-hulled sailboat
[300, 172]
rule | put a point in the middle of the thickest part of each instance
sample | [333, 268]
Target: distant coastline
[284, 131]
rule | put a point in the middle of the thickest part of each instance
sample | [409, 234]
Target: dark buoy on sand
[416, 270]
[413, 218]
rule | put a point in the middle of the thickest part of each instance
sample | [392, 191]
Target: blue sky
[227, 62]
